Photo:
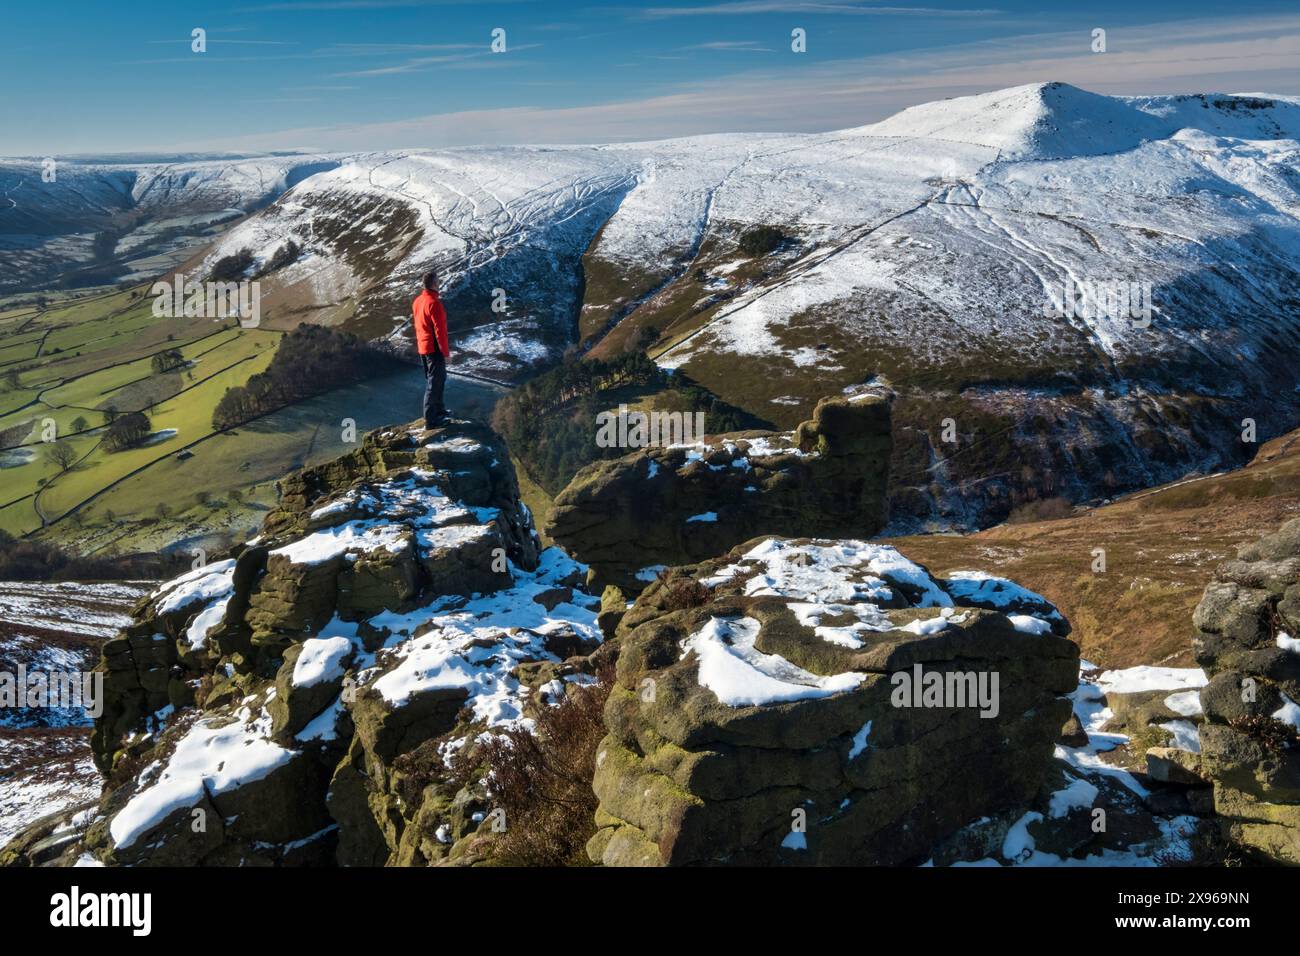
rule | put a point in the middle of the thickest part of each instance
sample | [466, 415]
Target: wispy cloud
[392, 49]
[751, 7]
[753, 46]
[419, 64]
[293, 5]
[414, 65]
[1252, 54]
[187, 40]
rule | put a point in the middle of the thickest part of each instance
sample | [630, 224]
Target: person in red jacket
[434, 347]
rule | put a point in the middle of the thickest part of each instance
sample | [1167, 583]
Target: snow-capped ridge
[1037, 121]
[1056, 120]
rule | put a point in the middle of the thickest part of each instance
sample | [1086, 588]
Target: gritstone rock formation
[1248, 641]
[757, 717]
[664, 506]
[299, 701]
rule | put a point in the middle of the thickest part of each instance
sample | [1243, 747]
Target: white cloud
[750, 7]
[1223, 55]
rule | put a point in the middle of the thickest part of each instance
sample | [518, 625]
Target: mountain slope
[98, 221]
[923, 253]
[1161, 549]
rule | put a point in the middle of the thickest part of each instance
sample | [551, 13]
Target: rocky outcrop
[674, 505]
[824, 702]
[319, 696]
[372, 679]
[1248, 640]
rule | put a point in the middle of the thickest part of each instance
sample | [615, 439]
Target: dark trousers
[435, 380]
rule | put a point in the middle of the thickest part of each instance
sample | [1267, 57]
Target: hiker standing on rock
[434, 348]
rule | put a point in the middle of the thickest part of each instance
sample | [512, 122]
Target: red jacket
[430, 324]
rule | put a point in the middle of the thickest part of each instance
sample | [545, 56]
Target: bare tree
[61, 455]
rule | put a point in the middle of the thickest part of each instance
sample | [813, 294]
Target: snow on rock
[211, 759]
[458, 444]
[475, 648]
[197, 633]
[1080, 793]
[741, 676]
[321, 660]
[1186, 702]
[1288, 713]
[1019, 845]
[788, 665]
[1145, 677]
[408, 571]
[650, 572]
[355, 536]
[860, 741]
[986, 590]
[816, 570]
[1029, 624]
[1185, 733]
[206, 583]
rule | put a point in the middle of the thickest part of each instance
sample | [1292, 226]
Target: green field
[196, 490]
[63, 366]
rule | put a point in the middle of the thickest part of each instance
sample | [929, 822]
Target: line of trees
[167, 360]
[127, 431]
[232, 267]
[29, 560]
[309, 361]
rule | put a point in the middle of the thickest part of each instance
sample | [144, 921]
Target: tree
[167, 360]
[79, 423]
[162, 511]
[761, 240]
[127, 431]
[61, 455]
[236, 497]
[12, 379]
[286, 255]
[228, 268]
[110, 414]
[309, 360]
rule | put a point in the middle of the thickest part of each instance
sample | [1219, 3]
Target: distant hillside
[89, 221]
[923, 252]
[1161, 549]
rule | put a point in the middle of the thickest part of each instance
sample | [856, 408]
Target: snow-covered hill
[976, 209]
[126, 219]
[924, 252]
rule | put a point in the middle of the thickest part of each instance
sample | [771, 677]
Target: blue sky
[92, 77]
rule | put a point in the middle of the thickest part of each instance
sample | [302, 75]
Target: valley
[921, 253]
[189, 485]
